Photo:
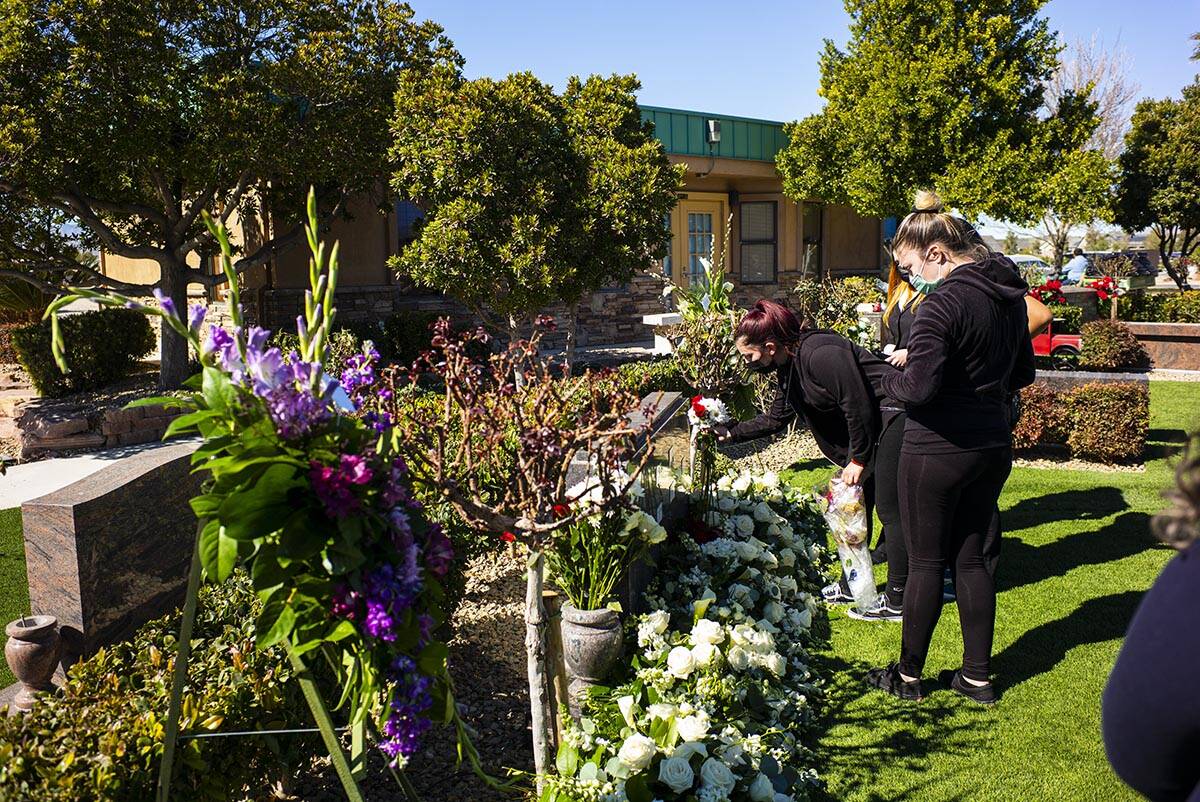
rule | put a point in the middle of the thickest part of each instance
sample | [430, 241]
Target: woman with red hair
[822, 377]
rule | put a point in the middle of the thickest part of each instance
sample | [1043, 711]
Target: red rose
[560, 510]
[508, 537]
[698, 405]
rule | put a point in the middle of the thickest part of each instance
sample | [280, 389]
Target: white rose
[747, 550]
[662, 710]
[676, 773]
[637, 752]
[761, 789]
[625, 703]
[658, 621]
[716, 775]
[704, 654]
[741, 484]
[804, 618]
[741, 634]
[745, 525]
[763, 512]
[773, 612]
[680, 662]
[687, 749]
[776, 664]
[706, 631]
[761, 641]
[739, 658]
[694, 727]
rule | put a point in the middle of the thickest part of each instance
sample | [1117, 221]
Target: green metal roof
[682, 133]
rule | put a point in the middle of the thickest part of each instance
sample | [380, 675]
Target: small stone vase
[592, 645]
[32, 652]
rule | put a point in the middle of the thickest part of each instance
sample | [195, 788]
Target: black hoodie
[968, 350]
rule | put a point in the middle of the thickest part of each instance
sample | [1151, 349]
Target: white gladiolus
[694, 727]
[680, 662]
[689, 749]
[725, 482]
[761, 789]
[706, 631]
[741, 484]
[676, 773]
[637, 752]
[716, 775]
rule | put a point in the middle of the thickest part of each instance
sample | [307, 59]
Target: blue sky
[752, 58]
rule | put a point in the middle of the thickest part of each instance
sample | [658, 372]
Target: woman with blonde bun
[969, 350]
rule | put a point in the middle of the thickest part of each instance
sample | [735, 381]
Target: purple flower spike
[196, 317]
[166, 303]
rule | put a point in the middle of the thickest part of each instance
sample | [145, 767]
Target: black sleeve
[928, 347]
[836, 369]
[775, 419]
[1024, 369]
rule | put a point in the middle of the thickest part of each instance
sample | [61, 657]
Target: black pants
[946, 506]
[887, 504]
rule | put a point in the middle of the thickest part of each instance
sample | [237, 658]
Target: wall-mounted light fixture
[713, 134]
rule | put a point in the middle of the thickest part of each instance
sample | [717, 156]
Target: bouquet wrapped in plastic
[846, 514]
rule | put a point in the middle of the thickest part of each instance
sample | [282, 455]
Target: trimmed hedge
[102, 347]
[100, 736]
[1159, 307]
[1071, 316]
[1110, 346]
[1100, 421]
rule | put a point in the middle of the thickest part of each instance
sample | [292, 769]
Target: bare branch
[1107, 70]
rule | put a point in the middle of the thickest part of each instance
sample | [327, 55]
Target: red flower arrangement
[1106, 288]
[1050, 292]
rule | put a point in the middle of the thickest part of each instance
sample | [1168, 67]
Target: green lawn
[1077, 557]
[14, 587]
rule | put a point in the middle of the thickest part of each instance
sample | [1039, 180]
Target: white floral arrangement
[716, 704]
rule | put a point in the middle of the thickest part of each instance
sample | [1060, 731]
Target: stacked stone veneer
[50, 426]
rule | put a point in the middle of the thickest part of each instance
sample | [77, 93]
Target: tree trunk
[173, 368]
[541, 714]
[1166, 244]
[572, 334]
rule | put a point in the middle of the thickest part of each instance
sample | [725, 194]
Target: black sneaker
[983, 694]
[833, 594]
[888, 680]
[880, 610]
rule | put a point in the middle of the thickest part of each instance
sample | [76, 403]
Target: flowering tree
[318, 508]
[520, 414]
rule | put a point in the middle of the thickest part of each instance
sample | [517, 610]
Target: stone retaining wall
[49, 427]
[1171, 346]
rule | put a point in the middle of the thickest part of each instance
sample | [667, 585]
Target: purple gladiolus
[406, 721]
[196, 314]
[166, 303]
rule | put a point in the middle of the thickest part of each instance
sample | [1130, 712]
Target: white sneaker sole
[857, 616]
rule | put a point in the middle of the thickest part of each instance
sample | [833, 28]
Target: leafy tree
[1159, 184]
[1011, 243]
[531, 198]
[943, 92]
[130, 119]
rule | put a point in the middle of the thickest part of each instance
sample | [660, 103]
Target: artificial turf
[14, 587]
[1077, 556]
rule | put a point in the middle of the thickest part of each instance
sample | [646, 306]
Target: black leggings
[887, 504]
[946, 506]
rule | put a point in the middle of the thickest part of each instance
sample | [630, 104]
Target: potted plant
[587, 559]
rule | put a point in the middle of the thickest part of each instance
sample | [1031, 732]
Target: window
[408, 218]
[758, 242]
[813, 220]
[700, 244]
[667, 267]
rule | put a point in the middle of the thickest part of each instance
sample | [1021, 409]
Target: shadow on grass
[1069, 505]
[1042, 648]
[1164, 443]
[1024, 564]
[887, 735]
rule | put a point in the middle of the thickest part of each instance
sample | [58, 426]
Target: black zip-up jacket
[968, 351]
[825, 382]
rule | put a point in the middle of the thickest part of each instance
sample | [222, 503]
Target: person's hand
[722, 433]
[898, 358]
[852, 473]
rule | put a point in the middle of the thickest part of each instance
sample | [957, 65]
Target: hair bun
[927, 200]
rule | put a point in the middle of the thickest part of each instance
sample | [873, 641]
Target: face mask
[922, 285]
[761, 365]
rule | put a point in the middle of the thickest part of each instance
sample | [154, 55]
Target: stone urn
[32, 652]
[592, 644]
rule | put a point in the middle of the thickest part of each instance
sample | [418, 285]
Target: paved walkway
[35, 479]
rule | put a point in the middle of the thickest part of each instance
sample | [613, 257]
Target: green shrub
[1110, 346]
[643, 378]
[1182, 307]
[343, 344]
[102, 347]
[1041, 419]
[1139, 305]
[1071, 316]
[1107, 421]
[832, 303]
[100, 736]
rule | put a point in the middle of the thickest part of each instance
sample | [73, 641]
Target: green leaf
[261, 509]
[219, 393]
[275, 622]
[302, 536]
[432, 660]
[567, 761]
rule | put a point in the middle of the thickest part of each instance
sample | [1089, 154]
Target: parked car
[1025, 262]
[1062, 349]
